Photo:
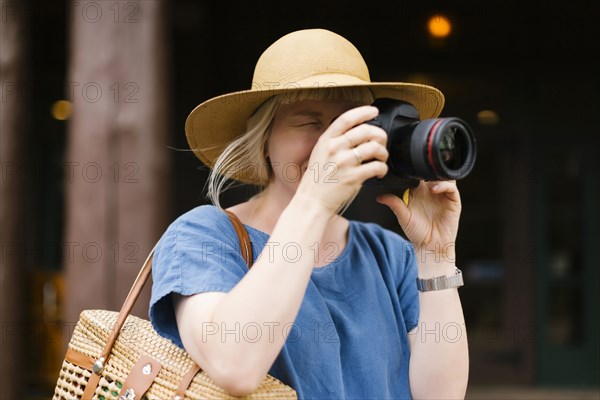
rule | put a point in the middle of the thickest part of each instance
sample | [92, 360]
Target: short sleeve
[199, 252]
[408, 293]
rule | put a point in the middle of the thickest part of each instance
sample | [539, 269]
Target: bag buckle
[98, 366]
[128, 395]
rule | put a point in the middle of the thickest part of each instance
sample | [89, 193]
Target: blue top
[349, 340]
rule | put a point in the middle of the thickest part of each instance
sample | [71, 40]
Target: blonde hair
[248, 150]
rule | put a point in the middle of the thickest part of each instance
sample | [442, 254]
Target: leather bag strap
[142, 278]
[245, 245]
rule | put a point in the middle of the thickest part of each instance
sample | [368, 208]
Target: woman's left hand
[430, 221]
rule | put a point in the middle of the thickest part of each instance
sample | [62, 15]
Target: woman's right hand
[348, 153]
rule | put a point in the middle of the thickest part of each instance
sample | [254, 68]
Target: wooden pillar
[12, 83]
[117, 186]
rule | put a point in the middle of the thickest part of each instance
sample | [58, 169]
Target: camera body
[430, 150]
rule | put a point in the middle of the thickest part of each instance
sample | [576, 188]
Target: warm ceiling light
[61, 110]
[488, 117]
[439, 26]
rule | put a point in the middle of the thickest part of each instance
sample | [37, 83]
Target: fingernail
[436, 187]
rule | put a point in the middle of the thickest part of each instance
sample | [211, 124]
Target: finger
[397, 206]
[370, 170]
[369, 151]
[448, 188]
[360, 134]
[441, 186]
[350, 119]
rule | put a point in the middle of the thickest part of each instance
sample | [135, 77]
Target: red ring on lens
[430, 146]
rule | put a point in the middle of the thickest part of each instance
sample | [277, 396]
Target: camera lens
[450, 148]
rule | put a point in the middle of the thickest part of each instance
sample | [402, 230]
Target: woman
[330, 307]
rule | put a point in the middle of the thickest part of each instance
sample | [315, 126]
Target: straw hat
[311, 58]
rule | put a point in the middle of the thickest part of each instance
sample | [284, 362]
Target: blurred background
[94, 97]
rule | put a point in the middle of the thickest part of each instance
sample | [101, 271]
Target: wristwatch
[441, 282]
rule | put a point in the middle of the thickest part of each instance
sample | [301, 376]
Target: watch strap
[441, 282]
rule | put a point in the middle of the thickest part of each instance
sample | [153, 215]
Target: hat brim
[213, 124]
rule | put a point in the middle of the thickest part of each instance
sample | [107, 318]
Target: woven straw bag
[119, 356]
